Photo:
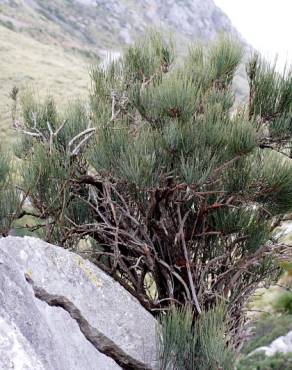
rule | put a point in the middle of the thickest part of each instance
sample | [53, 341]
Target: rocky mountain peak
[111, 24]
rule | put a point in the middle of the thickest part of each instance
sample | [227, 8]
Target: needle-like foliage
[9, 197]
[203, 345]
[171, 186]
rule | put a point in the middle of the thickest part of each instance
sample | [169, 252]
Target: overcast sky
[265, 24]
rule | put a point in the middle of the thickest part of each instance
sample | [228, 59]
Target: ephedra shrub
[173, 188]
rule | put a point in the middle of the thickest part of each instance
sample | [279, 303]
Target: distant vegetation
[49, 45]
[46, 69]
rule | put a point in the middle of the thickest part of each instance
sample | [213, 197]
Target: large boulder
[60, 312]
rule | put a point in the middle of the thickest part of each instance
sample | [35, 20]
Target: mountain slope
[50, 43]
[111, 23]
[25, 62]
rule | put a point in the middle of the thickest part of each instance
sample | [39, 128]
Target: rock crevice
[60, 312]
[101, 342]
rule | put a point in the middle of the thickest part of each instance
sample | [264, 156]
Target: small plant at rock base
[202, 345]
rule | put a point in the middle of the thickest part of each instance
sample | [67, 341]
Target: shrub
[167, 184]
[283, 303]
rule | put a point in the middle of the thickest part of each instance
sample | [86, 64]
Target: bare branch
[85, 136]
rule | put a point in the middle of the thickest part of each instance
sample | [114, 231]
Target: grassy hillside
[25, 62]
[108, 24]
[48, 45]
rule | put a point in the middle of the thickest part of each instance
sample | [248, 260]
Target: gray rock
[282, 344]
[112, 23]
[60, 312]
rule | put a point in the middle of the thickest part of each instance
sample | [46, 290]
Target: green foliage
[203, 345]
[9, 197]
[271, 93]
[74, 121]
[174, 98]
[271, 99]
[259, 361]
[224, 58]
[161, 171]
[283, 303]
[150, 56]
[273, 172]
[267, 329]
[105, 80]
[217, 66]
[42, 171]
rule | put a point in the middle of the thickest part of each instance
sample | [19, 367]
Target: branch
[86, 135]
[181, 233]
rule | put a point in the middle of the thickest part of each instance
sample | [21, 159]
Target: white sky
[265, 24]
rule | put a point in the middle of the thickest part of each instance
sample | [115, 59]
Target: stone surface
[60, 312]
[85, 23]
[282, 344]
